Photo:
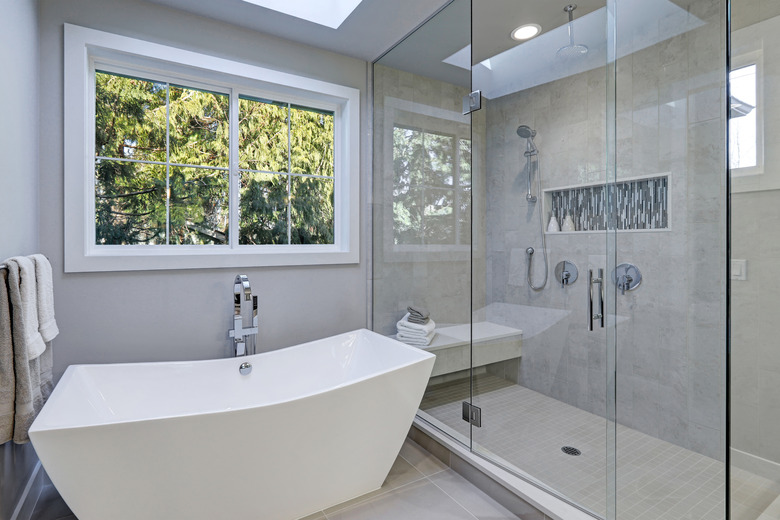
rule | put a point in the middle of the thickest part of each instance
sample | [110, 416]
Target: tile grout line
[453, 498]
[382, 493]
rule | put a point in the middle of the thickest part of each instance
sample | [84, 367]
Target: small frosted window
[743, 129]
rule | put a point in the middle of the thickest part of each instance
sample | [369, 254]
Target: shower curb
[515, 494]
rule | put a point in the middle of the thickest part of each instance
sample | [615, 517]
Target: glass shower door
[422, 204]
[541, 260]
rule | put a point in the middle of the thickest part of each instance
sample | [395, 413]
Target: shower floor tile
[656, 480]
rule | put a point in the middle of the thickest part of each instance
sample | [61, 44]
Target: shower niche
[639, 204]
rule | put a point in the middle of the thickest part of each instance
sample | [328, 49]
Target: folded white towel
[22, 282]
[415, 328]
[47, 326]
[418, 341]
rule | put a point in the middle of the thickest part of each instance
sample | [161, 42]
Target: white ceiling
[376, 25]
[372, 28]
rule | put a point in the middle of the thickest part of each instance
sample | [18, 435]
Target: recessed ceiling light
[330, 13]
[524, 32]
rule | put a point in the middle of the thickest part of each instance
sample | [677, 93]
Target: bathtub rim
[47, 424]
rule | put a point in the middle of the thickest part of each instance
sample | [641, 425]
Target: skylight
[330, 13]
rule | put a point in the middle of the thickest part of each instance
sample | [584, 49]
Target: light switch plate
[738, 269]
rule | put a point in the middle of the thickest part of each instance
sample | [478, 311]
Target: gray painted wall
[176, 315]
[18, 187]
[19, 132]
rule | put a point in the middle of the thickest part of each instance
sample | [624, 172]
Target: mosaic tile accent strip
[641, 204]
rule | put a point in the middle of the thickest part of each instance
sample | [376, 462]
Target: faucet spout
[239, 333]
[242, 283]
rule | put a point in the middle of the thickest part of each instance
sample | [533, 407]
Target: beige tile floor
[419, 487]
[656, 480]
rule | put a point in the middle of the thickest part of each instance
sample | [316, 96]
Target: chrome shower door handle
[591, 282]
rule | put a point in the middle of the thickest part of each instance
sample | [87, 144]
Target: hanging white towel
[47, 325]
[32, 376]
[22, 285]
[7, 377]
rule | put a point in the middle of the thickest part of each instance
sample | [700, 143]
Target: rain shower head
[572, 50]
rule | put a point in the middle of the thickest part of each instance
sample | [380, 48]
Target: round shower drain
[568, 450]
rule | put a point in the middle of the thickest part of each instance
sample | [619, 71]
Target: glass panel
[263, 209]
[199, 132]
[539, 373]
[263, 136]
[130, 117]
[422, 205]
[198, 206]
[311, 210]
[130, 205]
[311, 141]
[755, 251]
[670, 331]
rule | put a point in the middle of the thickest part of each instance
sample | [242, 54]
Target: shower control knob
[627, 277]
[566, 273]
[245, 368]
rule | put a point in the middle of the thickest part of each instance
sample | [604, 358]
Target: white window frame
[403, 112]
[86, 49]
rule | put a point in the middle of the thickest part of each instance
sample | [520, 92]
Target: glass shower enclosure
[558, 205]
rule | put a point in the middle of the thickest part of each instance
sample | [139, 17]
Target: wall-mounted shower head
[526, 132]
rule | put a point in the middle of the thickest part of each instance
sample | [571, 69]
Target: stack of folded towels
[416, 327]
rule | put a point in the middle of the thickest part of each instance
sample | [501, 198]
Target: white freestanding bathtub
[311, 426]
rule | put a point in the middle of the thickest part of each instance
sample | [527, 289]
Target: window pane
[262, 130]
[312, 210]
[743, 138]
[129, 203]
[312, 141]
[439, 159]
[263, 209]
[130, 117]
[408, 153]
[199, 127]
[465, 161]
[439, 216]
[464, 215]
[407, 215]
[198, 206]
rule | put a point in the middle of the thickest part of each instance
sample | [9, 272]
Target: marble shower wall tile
[671, 333]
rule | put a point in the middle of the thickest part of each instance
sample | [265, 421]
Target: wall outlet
[738, 269]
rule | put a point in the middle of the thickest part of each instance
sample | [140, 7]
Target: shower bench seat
[492, 343]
